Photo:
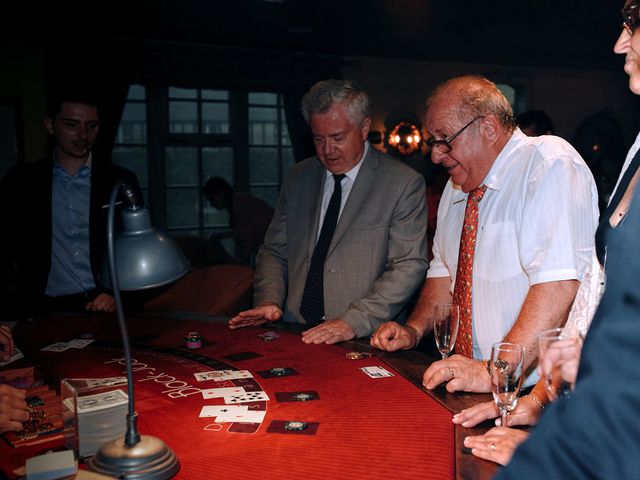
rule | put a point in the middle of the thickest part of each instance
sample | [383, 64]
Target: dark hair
[217, 185]
[538, 119]
[59, 94]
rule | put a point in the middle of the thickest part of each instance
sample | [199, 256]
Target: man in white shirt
[535, 230]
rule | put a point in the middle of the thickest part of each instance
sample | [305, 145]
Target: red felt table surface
[367, 427]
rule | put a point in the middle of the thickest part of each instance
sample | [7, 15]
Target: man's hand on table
[330, 331]
[102, 303]
[392, 336]
[13, 409]
[256, 316]
[460, 373]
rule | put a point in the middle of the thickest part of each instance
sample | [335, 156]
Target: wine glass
[559, 351]
[446, 318]
[507, 370]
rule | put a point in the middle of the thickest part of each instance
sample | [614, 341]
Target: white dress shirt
[536, 224]
[346, 184]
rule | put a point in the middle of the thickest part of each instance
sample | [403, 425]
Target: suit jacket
[377, 257]
[25, 209]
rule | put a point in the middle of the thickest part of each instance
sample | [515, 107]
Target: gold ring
[493, 447]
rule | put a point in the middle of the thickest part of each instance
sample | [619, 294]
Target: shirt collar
[497, 170]
[86, 168]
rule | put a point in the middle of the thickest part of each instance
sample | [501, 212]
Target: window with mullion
[270, 152]
[130, 145]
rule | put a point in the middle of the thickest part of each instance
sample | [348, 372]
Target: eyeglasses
[631, 17]
[444, 145]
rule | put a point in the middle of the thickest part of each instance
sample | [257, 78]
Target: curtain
[101, 68]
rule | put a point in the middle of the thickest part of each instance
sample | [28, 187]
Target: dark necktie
[312, 306]
[462, 292]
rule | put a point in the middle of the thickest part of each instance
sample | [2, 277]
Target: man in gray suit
[346, 248]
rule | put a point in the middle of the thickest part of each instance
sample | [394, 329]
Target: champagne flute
[506, 368]
[446, 318]
[559, 351]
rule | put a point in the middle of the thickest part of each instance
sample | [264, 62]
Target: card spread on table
[215, 410]
[250, 416]
[222, 392]
[221, 375]
[56, 347]
[376, 372]
[257, 396]
[79, 342]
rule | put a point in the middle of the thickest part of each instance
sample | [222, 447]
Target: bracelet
[536, 400]
[418, 334]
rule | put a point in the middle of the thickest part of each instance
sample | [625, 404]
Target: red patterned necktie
[464, 275]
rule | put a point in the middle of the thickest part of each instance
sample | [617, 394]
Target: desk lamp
[140, 258]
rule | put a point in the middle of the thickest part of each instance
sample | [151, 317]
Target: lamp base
[150, 458]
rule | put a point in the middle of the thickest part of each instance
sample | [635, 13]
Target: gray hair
[324, 94]
[477, 96]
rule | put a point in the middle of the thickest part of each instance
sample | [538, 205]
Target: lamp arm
[132, 435]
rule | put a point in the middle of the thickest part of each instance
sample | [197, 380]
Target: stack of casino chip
[193, 340]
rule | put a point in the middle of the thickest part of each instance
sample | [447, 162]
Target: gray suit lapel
[358, 196]
[313, 206]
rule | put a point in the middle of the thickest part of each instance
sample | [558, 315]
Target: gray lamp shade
[145, 257]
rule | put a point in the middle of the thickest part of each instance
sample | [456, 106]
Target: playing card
[236, 357]
[215, 410]
[222, 392]
[277, 372]
[102, 400]
[221, 375]
[305, 396]
[79, 342]
[56, 347]
[250, 416]
[258, 396]
[105, 382]
[17, 355]
[376, 372]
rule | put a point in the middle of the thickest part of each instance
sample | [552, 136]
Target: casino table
[346, 425]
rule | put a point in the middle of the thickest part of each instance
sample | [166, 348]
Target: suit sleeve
[406, 263]
[594, 434]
